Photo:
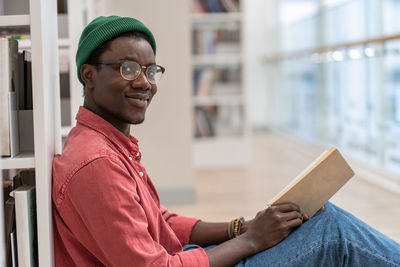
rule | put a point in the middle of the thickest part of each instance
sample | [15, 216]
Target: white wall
[166, 135]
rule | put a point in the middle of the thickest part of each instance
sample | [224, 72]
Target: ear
[88, 74]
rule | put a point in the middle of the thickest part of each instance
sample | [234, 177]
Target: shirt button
[130, 158]
[137, 154]
[141, 174]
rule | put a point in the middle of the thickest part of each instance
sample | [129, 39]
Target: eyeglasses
[130, 70]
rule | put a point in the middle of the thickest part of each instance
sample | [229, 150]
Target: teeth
[141, 99]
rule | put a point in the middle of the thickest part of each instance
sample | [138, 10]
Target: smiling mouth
[140, 101]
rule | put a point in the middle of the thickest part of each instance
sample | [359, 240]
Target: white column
[46, 116]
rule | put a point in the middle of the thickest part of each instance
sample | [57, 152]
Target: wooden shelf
[15, 20]
[25, 160]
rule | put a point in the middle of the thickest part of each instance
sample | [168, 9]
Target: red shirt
[106, 209]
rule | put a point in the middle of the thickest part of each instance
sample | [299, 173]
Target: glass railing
[337, 80]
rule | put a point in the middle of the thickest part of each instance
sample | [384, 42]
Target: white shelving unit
[220, 149]
[79, 14]
[15, 20]
[24, 160]
[67, 46]
[75, 26]
[42, 21]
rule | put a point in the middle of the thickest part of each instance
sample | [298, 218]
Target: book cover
[8, 102]
[14, 256]
[25, 216]
[28, 80]
[20, 90]
[9, 227]
[317, 183]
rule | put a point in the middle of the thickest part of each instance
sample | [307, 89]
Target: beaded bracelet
[235, 227]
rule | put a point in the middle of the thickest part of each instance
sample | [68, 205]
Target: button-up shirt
[106, 209]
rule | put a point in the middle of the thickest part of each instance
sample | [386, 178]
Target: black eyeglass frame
[120, 61]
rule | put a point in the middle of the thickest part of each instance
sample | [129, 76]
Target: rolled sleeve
[181, 225]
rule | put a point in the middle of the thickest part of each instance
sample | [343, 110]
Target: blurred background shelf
[218, 95]
[218, 100]
[217, 59]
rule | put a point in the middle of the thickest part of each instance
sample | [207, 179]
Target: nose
[141, 82]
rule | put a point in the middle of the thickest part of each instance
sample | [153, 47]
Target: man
[107, 211]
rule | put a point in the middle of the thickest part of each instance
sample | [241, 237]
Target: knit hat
[103, 29]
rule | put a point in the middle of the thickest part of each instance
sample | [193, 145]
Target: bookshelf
[71, 89]
[71, 19]
[42, 25]
[78, 14]
[221, 132]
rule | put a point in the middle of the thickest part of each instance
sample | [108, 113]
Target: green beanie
[103, 29]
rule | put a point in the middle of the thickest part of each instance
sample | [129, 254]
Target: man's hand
[268, 228]
[273, 224]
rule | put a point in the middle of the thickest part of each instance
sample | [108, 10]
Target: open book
[312, 188]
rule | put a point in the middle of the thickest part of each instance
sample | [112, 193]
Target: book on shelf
[25, 217]
[27, 88]
[229, 120]
[13, 181]
[24, 177]
[205, 121]
[220, 40]
[313, 187]
[8, 102]
[9, 228]
[215, 6]
[216, 81]
[9, 218]
[230, 5]
[205, 83]
[24, 88]
[14, 256]
[25, 112]
[16, 116]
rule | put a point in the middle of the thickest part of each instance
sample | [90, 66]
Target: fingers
[288, 216]
[294, 223]
[305, 216]
[290, 207]
[287, 207]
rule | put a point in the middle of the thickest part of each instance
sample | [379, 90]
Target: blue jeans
[332, 237]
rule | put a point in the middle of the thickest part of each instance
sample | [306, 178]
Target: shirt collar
[97, 123]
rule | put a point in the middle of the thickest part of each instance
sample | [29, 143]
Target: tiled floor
[276, 160]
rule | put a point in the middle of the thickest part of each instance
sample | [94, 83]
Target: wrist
[249, 243]
[246, 226]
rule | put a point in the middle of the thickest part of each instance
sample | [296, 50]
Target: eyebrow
[134, 59]
[129, 58]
